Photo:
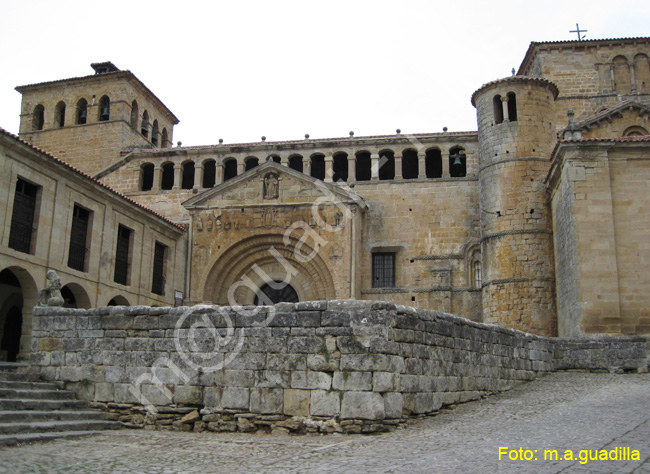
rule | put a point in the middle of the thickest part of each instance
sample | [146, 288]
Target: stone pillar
[632, 78]
[398, 166]
[329, 171]
[352, 168]
[284, 161]
[374, 167]
[422, 165]
[445, 163]
[504, 107]
[157, 177]
[178, 175]
[241, 166]
[198, 176]
[306, 166]
[219, 170]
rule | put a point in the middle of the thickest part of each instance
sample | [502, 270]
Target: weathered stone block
[188, 395]
[235, 398]
[104, 392]
[362, 405]
[385, 382]
[296, 402]
[266, 400]
[352, 381]
[393, 404]
[324, 403]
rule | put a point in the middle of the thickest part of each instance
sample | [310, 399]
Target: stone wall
[348, 366]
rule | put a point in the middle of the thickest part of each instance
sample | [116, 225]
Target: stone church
[540, 220]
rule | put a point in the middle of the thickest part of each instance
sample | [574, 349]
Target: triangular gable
[611, 114]
[272, 183]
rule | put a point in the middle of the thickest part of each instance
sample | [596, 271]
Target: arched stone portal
[18, 295]
[247, 266]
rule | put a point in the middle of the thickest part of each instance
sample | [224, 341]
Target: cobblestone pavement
[562, 411]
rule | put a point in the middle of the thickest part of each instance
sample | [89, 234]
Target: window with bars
[122, 255]
[383, 270]
[78, 238]
[158, 281]
[22, 218]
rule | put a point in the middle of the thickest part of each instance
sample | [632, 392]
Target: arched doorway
[18, 295]
[278, 292]
[118, 300]
[74, 296]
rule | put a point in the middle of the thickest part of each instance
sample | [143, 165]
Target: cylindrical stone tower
[516, 136]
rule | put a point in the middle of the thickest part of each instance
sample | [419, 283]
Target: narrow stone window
[82, 112]
[154, 133]
[512, 107]
[79, 238]
[410, 164]
[134, 115]
[167, 176]
[188, 175]
[59, 115]
[497, 103]
[642, 72]
[340, 167]
[386, 165]
[122, 255]
[363, 171]
[318, 166]
[275, 158]
[622, 78]
[209, 173]
[229, 169]
[476, 274]
[144, 125]
[457, 162]
[38, 118]
[295, 163]
[383, 270]
[433, 163]
[104, 109]
[146, 183]
[22, 217]
[158, 279]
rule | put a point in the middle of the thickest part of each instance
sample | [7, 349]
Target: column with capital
[241, 166]
[352, 168]
[374, 167]
[398, 166]
[178, 170]
[198, 176]
[157, 177]
[445, 163]
[284, 160]
[306, 165]
[329, 171]
[504, 106]
[219, 170]
[422, 165]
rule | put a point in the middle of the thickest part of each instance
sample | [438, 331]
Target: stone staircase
[33, 410]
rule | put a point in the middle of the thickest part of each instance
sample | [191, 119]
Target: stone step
[11, 404]
[50, 426]
[12, 366]
[29, 416]
[20, 377]
[18, 385]
[18, 439]
[35, 394]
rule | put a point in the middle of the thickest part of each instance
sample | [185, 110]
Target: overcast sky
[241, 69]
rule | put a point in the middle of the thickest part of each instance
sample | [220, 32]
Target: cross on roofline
[578, 30]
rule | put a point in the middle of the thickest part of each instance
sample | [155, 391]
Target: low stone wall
[348, 366]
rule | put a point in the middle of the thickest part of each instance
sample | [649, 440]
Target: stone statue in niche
[218, 223]
[199, 224]
[51, 294]
[270, 186]
[210, 223]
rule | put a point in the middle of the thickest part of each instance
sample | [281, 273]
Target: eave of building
[609, 114]
[558, 153]
[126, 74]
[516, 79]
[535, 47]
[28, 147]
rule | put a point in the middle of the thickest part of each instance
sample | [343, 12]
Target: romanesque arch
[249, 264]
[18, 296]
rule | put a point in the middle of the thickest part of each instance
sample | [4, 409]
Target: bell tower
[89, 121]
[516, 135]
